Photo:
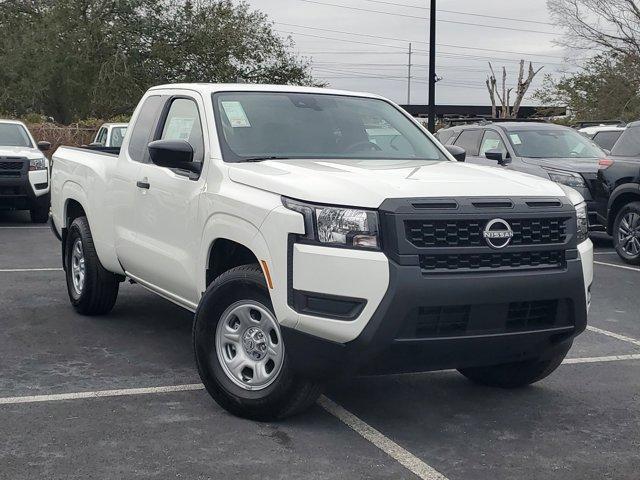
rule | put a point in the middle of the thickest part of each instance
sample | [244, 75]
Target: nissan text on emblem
[497, 233]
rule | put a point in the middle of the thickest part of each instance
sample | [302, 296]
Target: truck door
[123, 189]
[166, 208]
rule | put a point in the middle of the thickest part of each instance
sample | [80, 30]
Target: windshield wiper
[262, 159]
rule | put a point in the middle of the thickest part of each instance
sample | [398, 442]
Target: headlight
[583, 222]
[38, 164]
[567, 178]
[338, 226]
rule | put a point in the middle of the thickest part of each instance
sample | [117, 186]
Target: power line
[461, 13]
[416, 41]
[426, 18]
[417, 52]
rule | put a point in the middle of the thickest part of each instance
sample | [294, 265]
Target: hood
[20, 152]
[576, 165]
[367, 183]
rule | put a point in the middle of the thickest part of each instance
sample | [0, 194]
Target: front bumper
[22, 189]
[479, 309]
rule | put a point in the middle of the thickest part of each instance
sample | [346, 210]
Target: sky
[356, 48]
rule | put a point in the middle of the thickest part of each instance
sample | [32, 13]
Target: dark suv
[543, 149]
[618, 194]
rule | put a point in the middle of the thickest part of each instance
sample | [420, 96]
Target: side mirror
[173, 154]
[44, 146]
[495, 154]
[459, 153]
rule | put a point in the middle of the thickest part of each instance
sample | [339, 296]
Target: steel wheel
[78, 270]
[629, 234]
[249, 345]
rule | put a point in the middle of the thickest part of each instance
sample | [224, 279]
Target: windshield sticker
[178, 129]
[515, 138]
[236, 114]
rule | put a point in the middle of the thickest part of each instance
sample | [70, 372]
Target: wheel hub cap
[249, 345]
[78, 268]
[254, 343]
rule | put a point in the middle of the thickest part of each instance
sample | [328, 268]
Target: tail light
[605, 163]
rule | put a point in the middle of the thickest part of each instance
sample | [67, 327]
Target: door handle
[145, 185]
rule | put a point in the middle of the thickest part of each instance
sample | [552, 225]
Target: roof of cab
[209, 88]
[15, 122]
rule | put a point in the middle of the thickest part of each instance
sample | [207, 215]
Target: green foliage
[72, 59]
[606, 88]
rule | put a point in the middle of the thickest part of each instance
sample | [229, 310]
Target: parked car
[24, 171]
[310, 252]
[618, 194]
[605, 136]
[110, 135]
[542, 149]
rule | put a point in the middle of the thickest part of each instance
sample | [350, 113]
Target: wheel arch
[230, 241]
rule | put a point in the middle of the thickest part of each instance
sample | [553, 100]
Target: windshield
[628, 145]
[117, 135]
[552, 143]
[14, 135]
[262, 125]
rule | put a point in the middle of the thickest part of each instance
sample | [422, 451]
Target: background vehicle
[309, 251]
[110, 135]
[618, 194]
[24, 171]
[605, 136]
[543, 149]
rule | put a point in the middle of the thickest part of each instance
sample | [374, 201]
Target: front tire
[517, 374]
[92, 289]
[626, 233]
[240, 353]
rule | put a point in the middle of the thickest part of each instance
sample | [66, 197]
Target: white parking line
[605, 253]
[101, 393]
[617, 266]
[24, 228]
[612, 358]
[18, 270]
[614, 335]
[388, 446]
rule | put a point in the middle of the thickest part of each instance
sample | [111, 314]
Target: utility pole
[409, 78]
[432, 67]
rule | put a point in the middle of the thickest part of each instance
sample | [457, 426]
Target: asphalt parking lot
[119, 397]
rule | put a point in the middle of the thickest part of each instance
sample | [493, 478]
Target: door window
[492, 141]
[470, 141]
[183, 123]
[144, 126]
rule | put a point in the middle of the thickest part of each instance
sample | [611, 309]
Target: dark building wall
[479, 111]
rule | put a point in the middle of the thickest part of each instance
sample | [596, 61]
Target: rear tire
[92, 289]
[626, 233]
[269, 395]
[517, 374]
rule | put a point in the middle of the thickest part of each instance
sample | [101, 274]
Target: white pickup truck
[24, 171]
[318, 234]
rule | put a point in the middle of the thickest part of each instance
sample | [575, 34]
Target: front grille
[468, 233]
[465, 320]
[492, 261]
[11, 165]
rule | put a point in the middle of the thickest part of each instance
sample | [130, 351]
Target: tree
[611, 25]
[606, 88]
[522, 86]
[608, 83]
[73, 59]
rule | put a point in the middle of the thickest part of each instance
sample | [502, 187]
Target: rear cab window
[628, 145]
[144, 128]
